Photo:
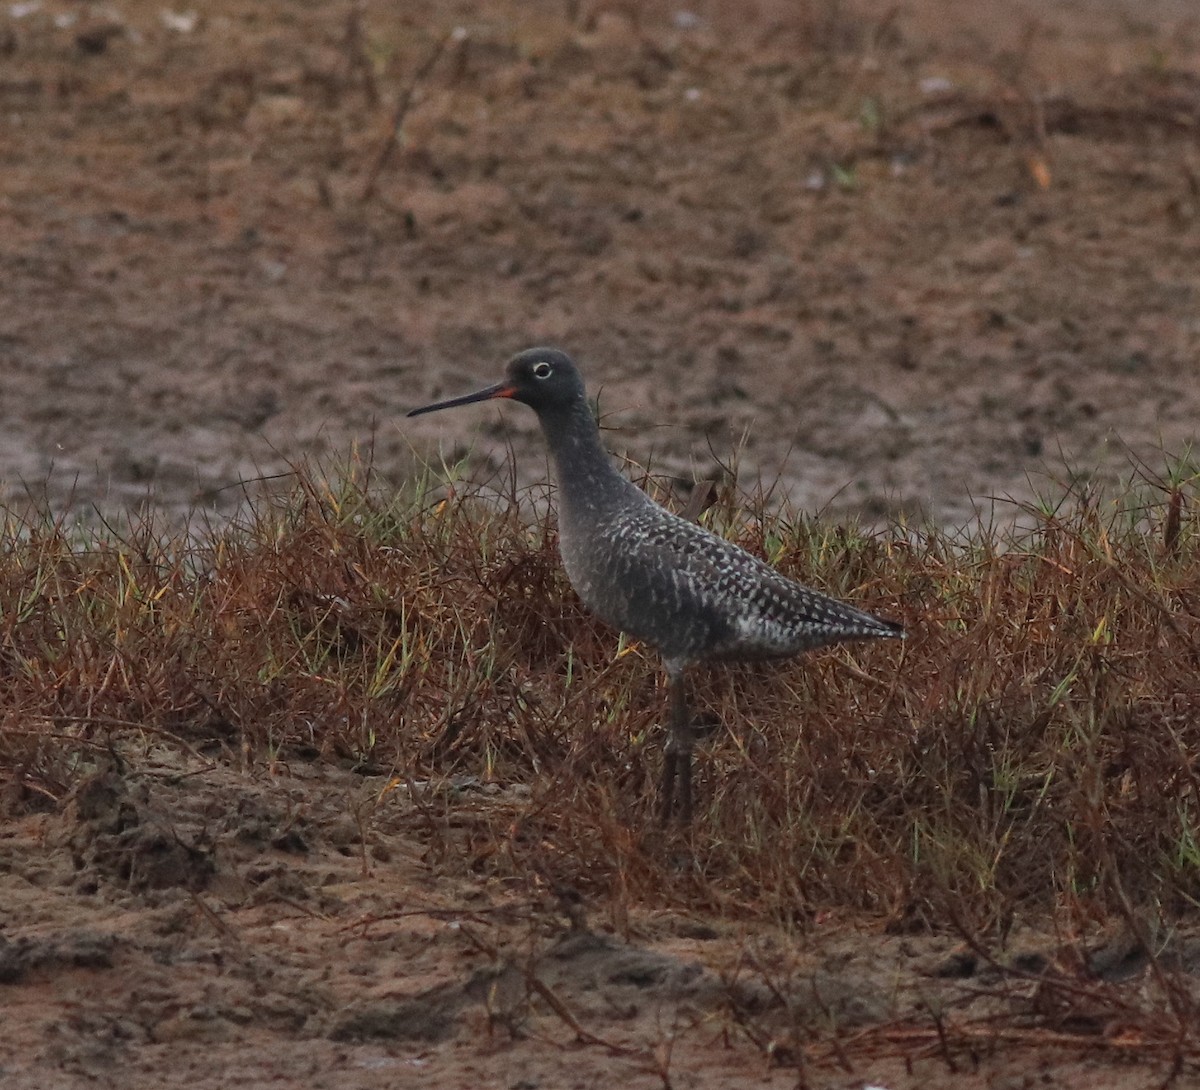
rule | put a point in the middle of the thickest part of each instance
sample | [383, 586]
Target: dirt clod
[73, 950]
[430, 1016]
[115, 834]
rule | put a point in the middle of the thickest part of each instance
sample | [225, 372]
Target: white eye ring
[542, 370]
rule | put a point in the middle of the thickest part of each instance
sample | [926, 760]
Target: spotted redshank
[666, 582]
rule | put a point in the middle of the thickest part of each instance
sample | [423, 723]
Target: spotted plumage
[694, 595]
[665, 581]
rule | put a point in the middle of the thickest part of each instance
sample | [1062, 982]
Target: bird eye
[541, 370]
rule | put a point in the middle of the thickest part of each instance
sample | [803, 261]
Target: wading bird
[657, 577]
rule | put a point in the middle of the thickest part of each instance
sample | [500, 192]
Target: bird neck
[587, 479]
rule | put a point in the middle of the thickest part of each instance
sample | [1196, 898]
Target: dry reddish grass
[1028, 753]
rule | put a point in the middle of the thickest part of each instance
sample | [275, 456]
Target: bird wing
[764, 612]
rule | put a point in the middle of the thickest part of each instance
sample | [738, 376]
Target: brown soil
[900, 258]
[187, 925]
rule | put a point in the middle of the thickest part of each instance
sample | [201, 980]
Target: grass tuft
[1030, 749]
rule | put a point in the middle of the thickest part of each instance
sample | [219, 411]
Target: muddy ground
[897, 259]
[179, 923]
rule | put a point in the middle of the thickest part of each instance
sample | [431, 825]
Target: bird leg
[677, 754]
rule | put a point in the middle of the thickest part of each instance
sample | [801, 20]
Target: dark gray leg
[677, 753]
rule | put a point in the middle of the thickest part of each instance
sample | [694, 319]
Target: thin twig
[114, 723]
[401, 112]
[214, 919]
[563, 1011]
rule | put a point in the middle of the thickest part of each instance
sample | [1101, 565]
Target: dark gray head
[545, 379]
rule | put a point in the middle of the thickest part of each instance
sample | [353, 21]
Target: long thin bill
[501, 389]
